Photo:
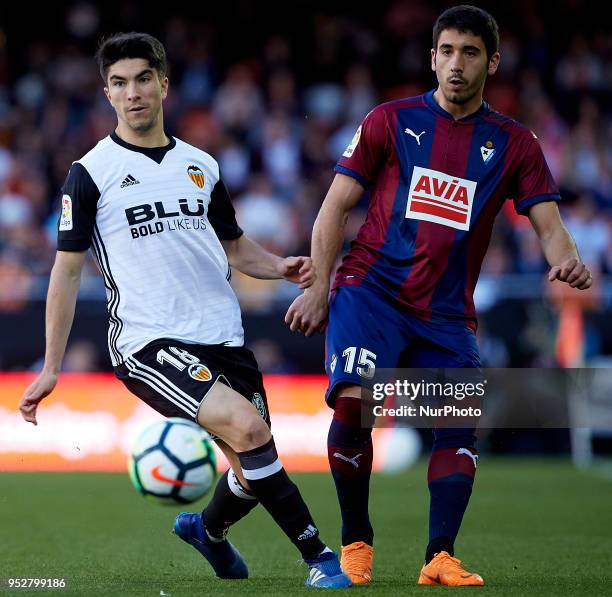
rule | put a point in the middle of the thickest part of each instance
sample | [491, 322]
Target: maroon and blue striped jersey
[436, 185]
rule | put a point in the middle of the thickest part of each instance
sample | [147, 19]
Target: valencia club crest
[196, 175]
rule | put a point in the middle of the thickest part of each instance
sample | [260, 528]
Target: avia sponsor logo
[140, 217]
[440, 198]
[66, 217]
[196, 175]
[200, 372]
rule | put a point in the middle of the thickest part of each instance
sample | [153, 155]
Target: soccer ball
[173, 462]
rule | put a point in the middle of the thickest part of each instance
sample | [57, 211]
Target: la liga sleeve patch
[348, 152]
[66, 215]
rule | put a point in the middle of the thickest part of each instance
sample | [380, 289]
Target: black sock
[230, 502]
[349, 450]
[437, 545]
[263, 470]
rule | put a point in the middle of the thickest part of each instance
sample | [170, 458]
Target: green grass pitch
[534, 527]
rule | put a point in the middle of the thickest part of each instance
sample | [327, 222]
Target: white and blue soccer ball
[173, 462]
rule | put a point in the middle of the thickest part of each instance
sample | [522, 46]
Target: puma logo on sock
[465, 451]
[352, 460]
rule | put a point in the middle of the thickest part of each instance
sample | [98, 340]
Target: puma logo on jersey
[413, 134]
[128, 181]
[352, 460]
[465, 451]
[437, 197]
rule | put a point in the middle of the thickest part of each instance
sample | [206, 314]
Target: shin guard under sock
[230, 502]
[349, 450]
[269, 482]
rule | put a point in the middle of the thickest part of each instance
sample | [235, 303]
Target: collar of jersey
[438, 109]
[157, 154]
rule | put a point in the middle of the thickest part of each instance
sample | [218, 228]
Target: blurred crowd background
[275, 92]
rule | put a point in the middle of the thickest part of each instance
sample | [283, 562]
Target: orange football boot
[446, 570]
[356, 561]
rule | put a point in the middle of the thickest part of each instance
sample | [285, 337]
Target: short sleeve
[534, 182]
[78, 210]
[366, 152]
[221, 214]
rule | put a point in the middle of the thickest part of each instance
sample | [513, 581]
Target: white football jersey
[154, 219]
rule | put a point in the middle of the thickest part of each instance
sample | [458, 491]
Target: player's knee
[454, 438]
[354, 412]
[252, 431]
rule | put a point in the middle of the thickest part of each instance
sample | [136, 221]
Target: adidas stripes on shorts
[174, 377]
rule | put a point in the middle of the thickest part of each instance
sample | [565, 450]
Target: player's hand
[308, 312]
[42, 386]
[573, 272]
[298, 270]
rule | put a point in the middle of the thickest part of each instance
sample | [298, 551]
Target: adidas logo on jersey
[128, 181]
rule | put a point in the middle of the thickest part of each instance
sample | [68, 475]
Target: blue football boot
[221, 555]
[325, 572]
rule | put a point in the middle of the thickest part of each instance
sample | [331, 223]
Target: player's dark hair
[131, 45]
[469, 19]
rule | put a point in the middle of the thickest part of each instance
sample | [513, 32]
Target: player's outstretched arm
[559, 247]
[61, 299]
[308, 313]
[253, 260]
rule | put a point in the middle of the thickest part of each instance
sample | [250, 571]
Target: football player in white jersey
[158, 218]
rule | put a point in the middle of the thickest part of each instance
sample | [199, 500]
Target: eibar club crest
[196, 175]
[487, 151]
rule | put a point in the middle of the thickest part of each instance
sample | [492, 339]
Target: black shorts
[174, 377]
